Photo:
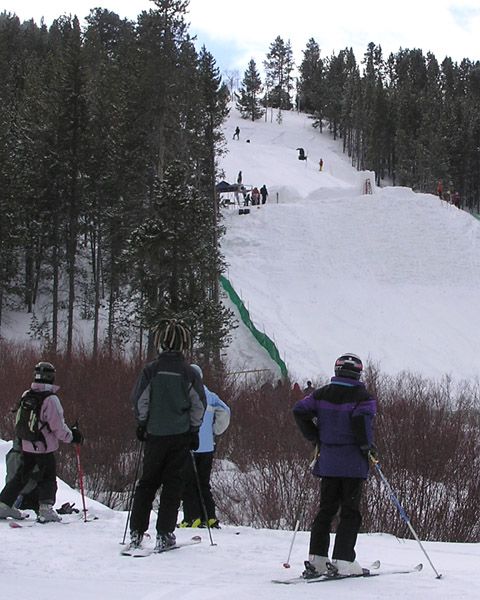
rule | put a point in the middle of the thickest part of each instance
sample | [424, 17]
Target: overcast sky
[236, 31]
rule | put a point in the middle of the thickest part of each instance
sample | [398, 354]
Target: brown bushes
[427, 435]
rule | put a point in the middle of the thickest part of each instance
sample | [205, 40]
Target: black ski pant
[337, 494]
[192, 503]
[45, 475]
[164, 464]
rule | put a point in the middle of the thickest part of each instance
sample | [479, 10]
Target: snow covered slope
[324, 269]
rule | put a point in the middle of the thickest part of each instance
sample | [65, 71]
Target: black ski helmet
[44, 372]
[198, 370]
[348, 365]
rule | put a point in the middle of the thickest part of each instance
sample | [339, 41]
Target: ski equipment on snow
[401, 510]
[80, 480]
[142, 552]
[333, 577]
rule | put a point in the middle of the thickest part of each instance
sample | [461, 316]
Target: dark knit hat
[173, 335]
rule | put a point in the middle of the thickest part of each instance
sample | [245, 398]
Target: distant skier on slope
[264, 193]
[301, 154]
[338, 418]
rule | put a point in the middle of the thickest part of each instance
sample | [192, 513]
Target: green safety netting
[261, 338]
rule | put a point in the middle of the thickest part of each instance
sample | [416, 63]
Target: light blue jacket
[215, 421]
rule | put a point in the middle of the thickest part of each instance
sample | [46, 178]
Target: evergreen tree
[112, 173]
[311, 84]
[279, 65]
[213, 99]
[248, 100]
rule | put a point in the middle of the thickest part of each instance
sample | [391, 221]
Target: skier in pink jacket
[40, 454]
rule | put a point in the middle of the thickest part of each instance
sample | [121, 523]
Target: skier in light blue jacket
[215, 421]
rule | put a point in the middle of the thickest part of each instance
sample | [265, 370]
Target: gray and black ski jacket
[168, 398]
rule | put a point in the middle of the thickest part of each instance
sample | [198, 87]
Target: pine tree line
[412, 120]
[108, 143]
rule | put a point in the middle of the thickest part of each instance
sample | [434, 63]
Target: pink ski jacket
[52, 414]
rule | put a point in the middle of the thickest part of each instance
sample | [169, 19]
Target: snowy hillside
[322, 268]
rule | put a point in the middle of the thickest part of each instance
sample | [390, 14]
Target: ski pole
[130, 499]
[202, 501]
[80, 480]
[286, 564]
[400, 508]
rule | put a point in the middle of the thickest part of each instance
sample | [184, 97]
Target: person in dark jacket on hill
[338, 418]
[264, 193]
[169, 403]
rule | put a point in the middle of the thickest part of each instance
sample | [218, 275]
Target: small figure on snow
[255, 196]
[338, 419]
[301, 154]
[236, 135]
[215, 422]
[320, 164]
[264, 193]
[169, 403]
[440, 189]
[239, 178]
[38, 456]
[297, 393]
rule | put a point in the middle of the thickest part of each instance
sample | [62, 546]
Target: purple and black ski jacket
[339, 418]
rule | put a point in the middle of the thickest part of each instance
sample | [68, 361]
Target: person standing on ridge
[320, 164]
[309, 389]
[39, 454]
[338, 418]
[215, 422]
[169, 403]
[237, 133]
[264, 193]
[440, 189]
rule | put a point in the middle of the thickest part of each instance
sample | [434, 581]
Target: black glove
[67, 509]
[141, 433]
[194, 440]
[370, 451]
[77, 435]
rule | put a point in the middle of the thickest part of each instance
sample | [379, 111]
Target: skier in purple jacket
[338, 418]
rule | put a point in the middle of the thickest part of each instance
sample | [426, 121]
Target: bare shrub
[428, 441]
[270, 480]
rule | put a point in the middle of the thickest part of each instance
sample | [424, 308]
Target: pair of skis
[333, 576]
[26, 522]
[143, 552]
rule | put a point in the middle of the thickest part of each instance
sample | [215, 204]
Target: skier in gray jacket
[169, 403]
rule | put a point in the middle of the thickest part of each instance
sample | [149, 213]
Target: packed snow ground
[81, 561]
[324, 269]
